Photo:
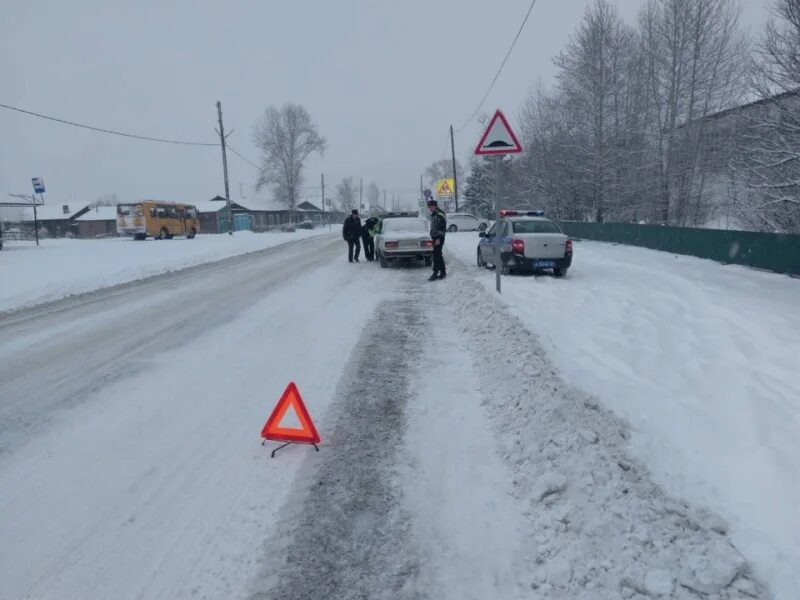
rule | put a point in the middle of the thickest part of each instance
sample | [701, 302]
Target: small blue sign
[38, 185]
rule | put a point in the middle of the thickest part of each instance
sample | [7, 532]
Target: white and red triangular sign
[498, 138]
[277, 429]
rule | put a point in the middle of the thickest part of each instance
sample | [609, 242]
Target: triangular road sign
[444, 188]
[498, 138]
[273, 428]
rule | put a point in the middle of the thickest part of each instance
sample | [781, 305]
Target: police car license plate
[544, 264]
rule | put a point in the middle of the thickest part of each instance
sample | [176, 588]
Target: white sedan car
[465, 222]
[404, 238]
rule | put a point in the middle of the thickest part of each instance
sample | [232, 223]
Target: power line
[500, 70]
[244, 158]
[102, 130]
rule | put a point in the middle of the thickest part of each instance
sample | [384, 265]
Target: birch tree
[286, 137]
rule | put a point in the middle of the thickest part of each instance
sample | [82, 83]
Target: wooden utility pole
[455, 173]
[360, 193]
[221, 133]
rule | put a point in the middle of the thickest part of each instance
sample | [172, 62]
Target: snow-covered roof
[100, 213]
[52, 212]
[210, 206]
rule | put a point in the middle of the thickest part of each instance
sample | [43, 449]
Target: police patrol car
[526, 241]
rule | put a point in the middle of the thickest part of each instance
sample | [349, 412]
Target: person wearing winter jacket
[351, 232]
[367, 236]
[438, 231]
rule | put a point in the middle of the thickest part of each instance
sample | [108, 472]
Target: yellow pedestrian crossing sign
[445, 187]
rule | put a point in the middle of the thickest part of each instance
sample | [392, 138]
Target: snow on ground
[62, 267]
[703, 360]
[157, 486]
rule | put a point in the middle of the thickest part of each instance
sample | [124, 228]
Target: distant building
[100, 221]
[58, 221]
[717, 194]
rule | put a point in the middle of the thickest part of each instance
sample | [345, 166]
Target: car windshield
[405, 226]
[535, 227]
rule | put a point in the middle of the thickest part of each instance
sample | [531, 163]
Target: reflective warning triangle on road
[275, 429]
[498, 138]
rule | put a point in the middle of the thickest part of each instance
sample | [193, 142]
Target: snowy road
[456, 462]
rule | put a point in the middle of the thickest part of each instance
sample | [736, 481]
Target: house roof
[306, 205]
[52, 212]
[211, 206]
[743, 107]
[100, 213]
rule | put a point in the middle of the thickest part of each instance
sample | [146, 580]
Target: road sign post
[498, 140]
[38, 188]
[498, 258]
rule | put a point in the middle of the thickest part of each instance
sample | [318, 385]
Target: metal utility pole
[221, 133]
[421, 192]
[498, 260]
[384, 198]
[360, 193]
[455, 173]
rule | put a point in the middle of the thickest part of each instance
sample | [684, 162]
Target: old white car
[404, 238]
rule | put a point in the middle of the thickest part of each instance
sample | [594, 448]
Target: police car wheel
[480, 260]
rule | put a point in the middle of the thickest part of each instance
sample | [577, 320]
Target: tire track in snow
[344, 533]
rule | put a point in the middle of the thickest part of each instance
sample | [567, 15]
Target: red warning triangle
[305, 434]
[498, 138]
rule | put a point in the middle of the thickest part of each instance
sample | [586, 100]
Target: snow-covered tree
[768, 160]
[286, 137]
[346, 194]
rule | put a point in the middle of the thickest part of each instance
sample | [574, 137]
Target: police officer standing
[438, 231]
[368, 232]
[351, 232]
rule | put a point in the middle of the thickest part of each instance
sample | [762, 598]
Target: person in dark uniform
[438, 230]
[367, 237]
[351, 232]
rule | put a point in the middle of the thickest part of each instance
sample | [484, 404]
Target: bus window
[161, 212]
[153, 212]
[191, 212]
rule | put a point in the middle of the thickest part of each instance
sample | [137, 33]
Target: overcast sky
[383, 80]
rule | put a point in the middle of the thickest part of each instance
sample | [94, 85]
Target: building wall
[91, 229]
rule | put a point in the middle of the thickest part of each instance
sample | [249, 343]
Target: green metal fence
[772, 251]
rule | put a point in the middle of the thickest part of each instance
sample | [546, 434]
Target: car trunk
[543, 245]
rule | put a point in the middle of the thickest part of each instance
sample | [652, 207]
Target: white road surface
[457, 460]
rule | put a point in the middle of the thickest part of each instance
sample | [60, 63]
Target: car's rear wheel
[481, 262]
[452, 228]
[560, 272]
[382, 260]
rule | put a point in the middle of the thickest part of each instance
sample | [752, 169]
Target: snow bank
[703, 360]
[62, 267]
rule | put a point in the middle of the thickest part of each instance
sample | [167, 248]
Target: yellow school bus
[159, 220]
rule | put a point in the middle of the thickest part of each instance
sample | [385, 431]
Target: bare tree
[286, 137]
[346, 194]
[373, 194]
[442, 169]
[768, 160]
[593, 82]
[694, 51]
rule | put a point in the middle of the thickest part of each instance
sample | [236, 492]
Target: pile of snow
[702, 359]
[62, 267]
[600, 526]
